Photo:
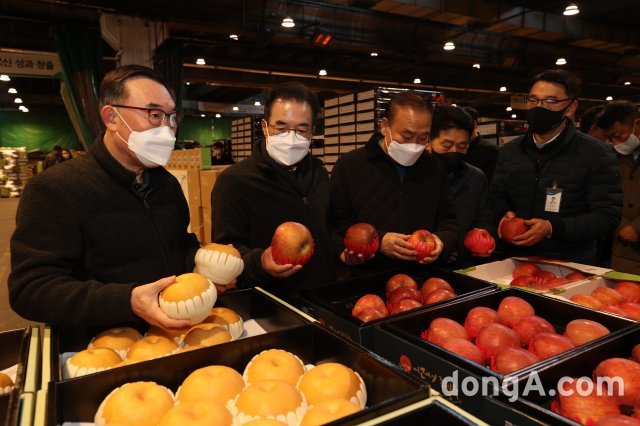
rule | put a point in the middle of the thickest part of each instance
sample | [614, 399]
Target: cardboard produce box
[388, 389]
[18, 360]
[399, 341]
[332, 304]
[267, 313]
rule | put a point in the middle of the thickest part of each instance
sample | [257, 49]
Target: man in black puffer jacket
[565, 183]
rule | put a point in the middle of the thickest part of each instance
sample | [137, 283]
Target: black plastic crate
[15, 351]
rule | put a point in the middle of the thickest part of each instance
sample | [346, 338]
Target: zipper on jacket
[147, 212]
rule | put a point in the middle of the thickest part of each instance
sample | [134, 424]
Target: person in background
[450, 131]
[554, 159]
[393, 184]
[65, 155]
[620, 122]
[219, 155]
[53, 157]
[589, 123]
[280, 182]
[481, 153]
[99, 253]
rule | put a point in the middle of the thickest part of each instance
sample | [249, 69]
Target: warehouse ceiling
[511, 40]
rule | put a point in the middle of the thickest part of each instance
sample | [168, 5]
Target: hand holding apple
[539, 229]
[507, 215]
[292, 243]
[395, 245]
[272, 268]
[435, 253]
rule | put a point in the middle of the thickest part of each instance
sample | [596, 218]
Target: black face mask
[542, 120]
[453, 161]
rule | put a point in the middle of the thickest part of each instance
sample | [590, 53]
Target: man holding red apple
[564, 183]
[393, 184]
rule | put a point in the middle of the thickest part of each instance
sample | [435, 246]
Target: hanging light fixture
[503, 89]
[509, 108]
[235, 108]
[561, 61]
[571, 9]
[17, 100]
[4, 77]
[374, 53]
[200, 61]
[609, 98]
[627, 83]
[449, 46]
[514, 116]
[476, 66]
[12, 90]
[233, 37]
[218, 116]
[257, 103]
[322, 72]
[202, 115]
[288, 22]
[417, 81]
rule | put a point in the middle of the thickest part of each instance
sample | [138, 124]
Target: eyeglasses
[532, 101]
[156, 116]
[301, 134]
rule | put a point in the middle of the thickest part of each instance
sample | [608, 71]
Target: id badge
[554, 198]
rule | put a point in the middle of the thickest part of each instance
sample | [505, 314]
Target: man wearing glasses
[563, 182]
[280, 182]
[99, 237]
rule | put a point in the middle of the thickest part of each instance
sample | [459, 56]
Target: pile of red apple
[530, 275]
[599, 407]
[623, 299]
[402, 294]
[511, 338]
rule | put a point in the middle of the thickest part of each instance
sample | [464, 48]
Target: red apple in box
[555, 282]
[423, 243]
[369, 301]
[512, 309]
[441, 329]
[511, 228]
[612, 309]
[632, 310]
[478, 318]
[397, 281]
[635, 356]
[576, 276]
[527, 269]
[607, 296]
[586, 409]
[494, 338]
[403, 293]
[528, 327]
[628, 371]
[479, 242]
[370, 314]
[581, 331]
[630, 291]
[404, 305]
[292, 243]
[545, 345]
[512, 359]
[432, 284]
[542, 276]
[438, 295]
[525, 281]
[464, 348]
[362, 238]
[587, 300]
[618, 420]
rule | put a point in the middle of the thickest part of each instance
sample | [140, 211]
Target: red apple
[527, 327]
[584, 409]
[630, 291]
[477, 318]
[403, 293]
[292, 244]
[464, 348]
[528, 269]
[555, 282]
[546, 325]
[607, 296]
[612, 309]
[576, 276]
[369, 301]
[441, 329]
[525, 281]
[512, 309]
[628, 371]
[370, 314]
[423, 243]
[618, 420]
[404, 305]
[631, 309]
[362, 238]
[512, 359]
[581, 331]
[636, 409]
[545, 345]
[399, 280]
[543, 276]
[495, 337]
[438, 295]
[587, 300]
[432, 284]
[479, 242]
[635, 355]
[511, 228]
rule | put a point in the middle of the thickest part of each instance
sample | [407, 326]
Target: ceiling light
[21, 107]
[571, 9]
[233, 37]
[287, 22]
[187, 83]
[200, 61]
[454, 105]
[17, 100]
[12, 90]
[4, 77]
[503, 89]
[374, 53]
[627, 83]
[449, 46]
[257, 103]
[235, 108]
[514, 116]
[417, 81]
[609, 98]
[561, 61]
[202, 115]
[476, 66]
[322, 72]
[509, 108]
[218, 116]
[25, 109]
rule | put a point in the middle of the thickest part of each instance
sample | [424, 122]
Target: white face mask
[405, 154]
[287, 148]
[627, 147]
[153, 146]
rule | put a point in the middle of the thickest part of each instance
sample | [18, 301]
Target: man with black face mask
[564, 183]
[451, 129]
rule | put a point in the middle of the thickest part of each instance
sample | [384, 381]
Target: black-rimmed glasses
[532, 101]
[156, 116]
[301, 134]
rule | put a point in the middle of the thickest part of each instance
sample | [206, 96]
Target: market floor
[9, 320]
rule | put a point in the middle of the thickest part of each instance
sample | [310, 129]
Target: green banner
[37, 130]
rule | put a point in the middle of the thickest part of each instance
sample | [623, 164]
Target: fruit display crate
[434, 411]
[18, 360]
[388, 389]
[537, 405]
[399, 341]
[268, 313]
[332, 304]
